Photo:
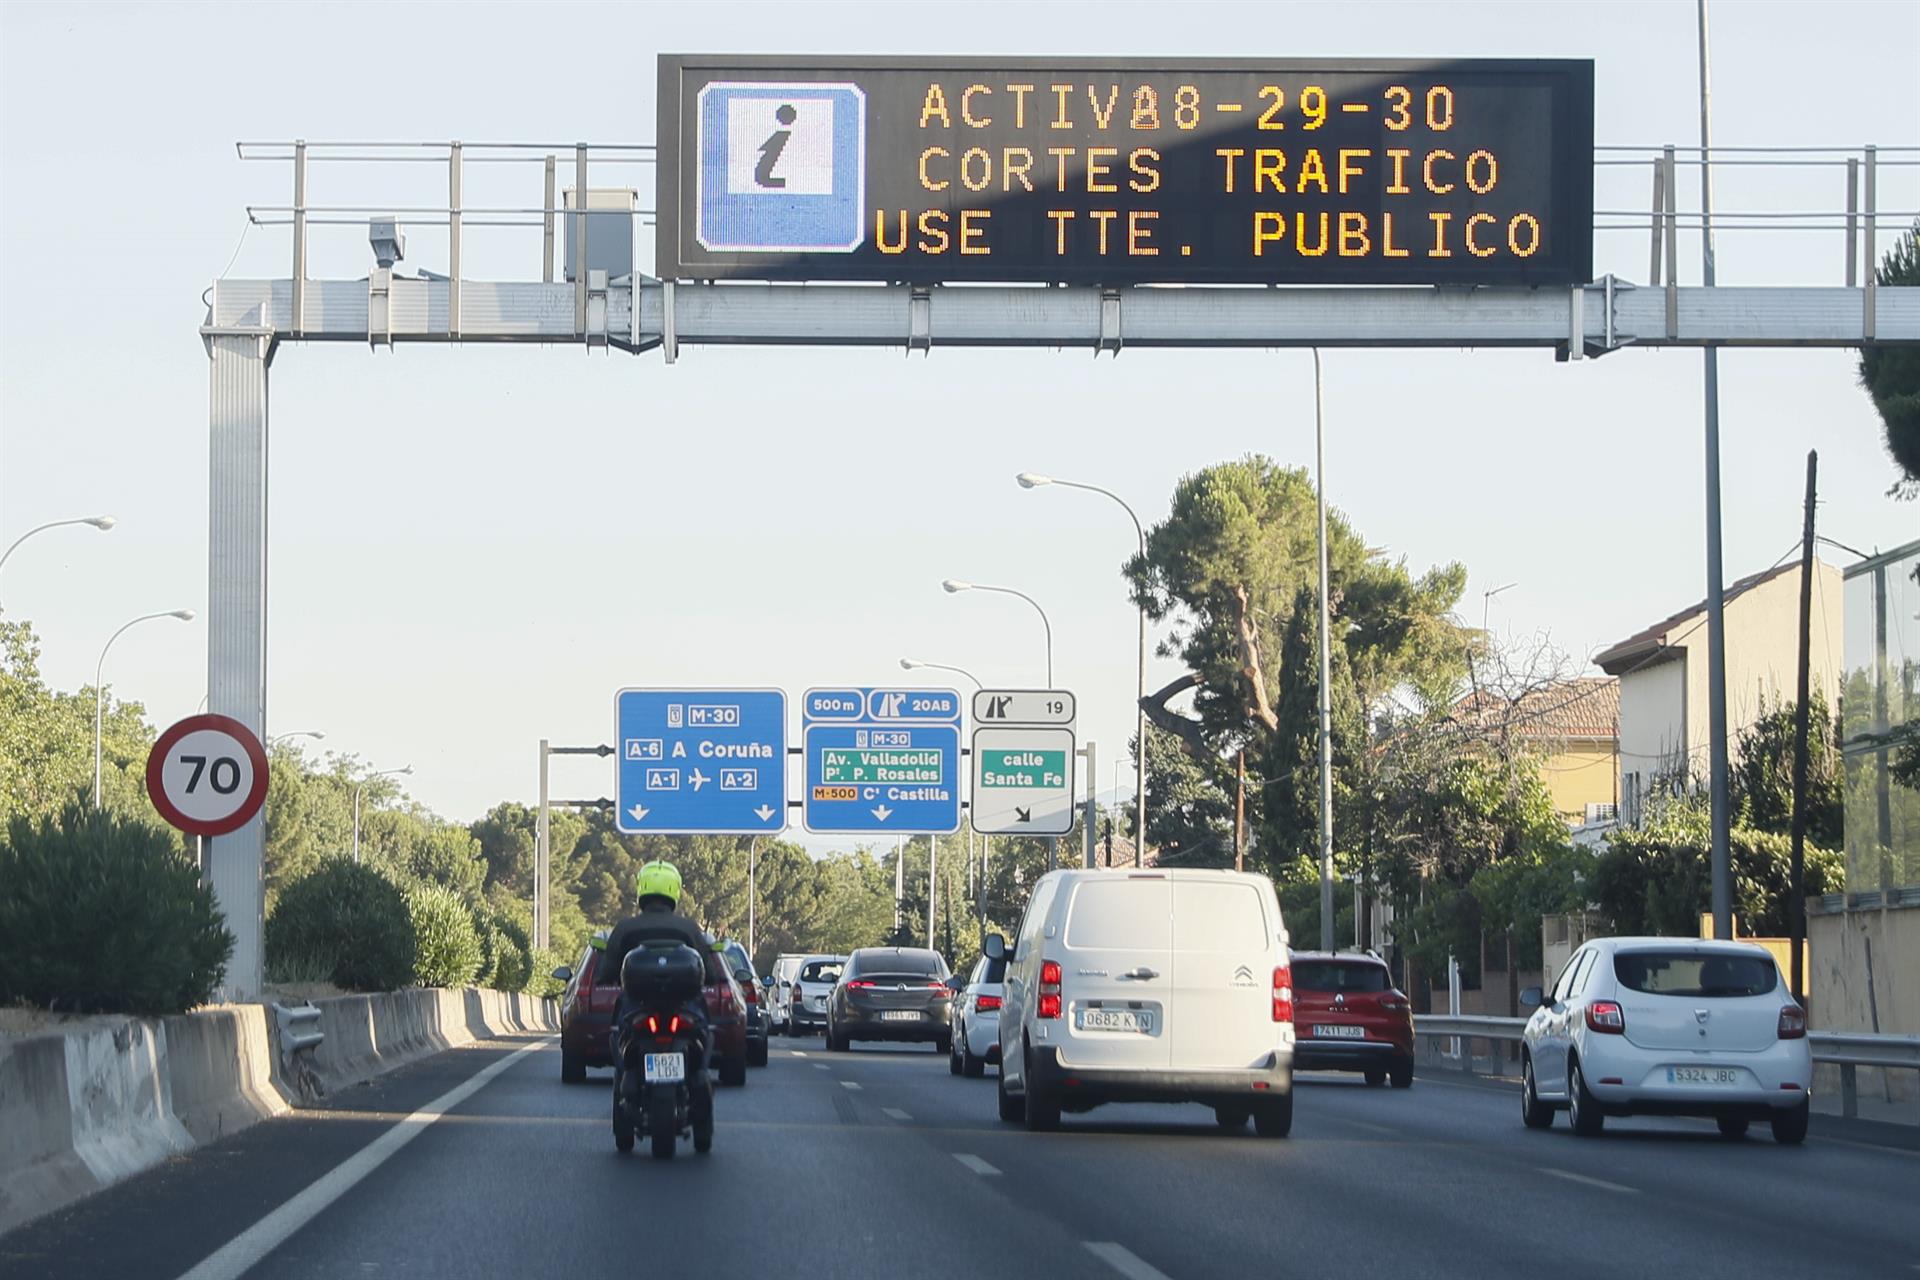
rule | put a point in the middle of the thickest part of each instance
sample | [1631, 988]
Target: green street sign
[1023, 768]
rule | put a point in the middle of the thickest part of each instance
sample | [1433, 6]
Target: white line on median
[976, 1164]
[1123, 1260]
[894, 1113]
[799, 1053]
[848, 1084]
[239, 1254]
[1584, 1180]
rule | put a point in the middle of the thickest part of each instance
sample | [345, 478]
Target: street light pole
[1717, 787]
[914, 664]
[102, 523]
[279, 738]
[357, 789]
[953, 586]
[99, 693]
[1029, 480]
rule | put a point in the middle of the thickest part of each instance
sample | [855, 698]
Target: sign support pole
[933, 864]
[542, 846]
[1093, 812]
[1326, 668]
[1716, 589]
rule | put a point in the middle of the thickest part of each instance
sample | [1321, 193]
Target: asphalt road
[879, 1163]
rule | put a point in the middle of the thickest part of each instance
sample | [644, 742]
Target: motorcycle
[660, 1087]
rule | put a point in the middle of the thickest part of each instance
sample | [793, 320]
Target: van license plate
[1328, 1031]
[1135, 1020]
[666, 1068]
[1707, 1077]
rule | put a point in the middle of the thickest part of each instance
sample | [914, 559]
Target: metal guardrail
[1847, 1050]
[299, 1029]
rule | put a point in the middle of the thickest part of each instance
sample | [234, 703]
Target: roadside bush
[541, 982]
[513, 966]
[100, 914]
[342, 923]
[446, 949]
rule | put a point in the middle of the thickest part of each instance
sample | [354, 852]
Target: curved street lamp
[279, 738]
[102, 523]
[99, 691]
[360, 786]
[1033, 480]
[954, 586]
[914, 664]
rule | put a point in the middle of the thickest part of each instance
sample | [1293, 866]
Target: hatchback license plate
[900, 1015]
[1327, 1031]
[666, 1068]
[1135, 1020]
[1708, 1077]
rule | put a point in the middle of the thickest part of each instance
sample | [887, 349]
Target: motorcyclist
[658, 886]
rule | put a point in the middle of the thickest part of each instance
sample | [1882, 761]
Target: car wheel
[1376, 1076]
[1401, 1073]
[1582, 1111]
[1043, 1105]
[972, 1066]
[836, 1043]
[757, 1053]
[1731, 1126]
[1274, 1118]
[953, 1062]
[573, 1068]
[1534, 1113]
[733, 1072]
[944, 1044]
[1013, 1108]
[1790, 1126]
[1232, 1119]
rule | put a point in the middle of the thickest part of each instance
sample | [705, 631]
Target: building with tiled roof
[1574, 726]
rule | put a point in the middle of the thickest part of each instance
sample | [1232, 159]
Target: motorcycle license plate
[666, 1068]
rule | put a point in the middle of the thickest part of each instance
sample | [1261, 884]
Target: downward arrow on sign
[881, 812]
[765, 812]
[637, 813]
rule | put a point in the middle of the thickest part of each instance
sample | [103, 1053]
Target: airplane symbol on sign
[997, 707]
[698, 779]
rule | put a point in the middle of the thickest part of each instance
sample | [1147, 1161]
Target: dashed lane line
[238, 1255]
[1585, 1181]
[819, 1066]
[799, 1053]
[849, 1084]
[1124, 1260]
[976, 1164]
[894, 1113]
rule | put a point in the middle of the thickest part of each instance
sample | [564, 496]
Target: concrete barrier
[83, 1108]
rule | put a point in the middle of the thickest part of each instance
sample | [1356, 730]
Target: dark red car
[1347, 1016]
[586, 1014]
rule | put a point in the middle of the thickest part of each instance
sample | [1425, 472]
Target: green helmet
[659, 880]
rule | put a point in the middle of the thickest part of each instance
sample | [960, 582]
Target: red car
[1348, 1016]
[586, 1014]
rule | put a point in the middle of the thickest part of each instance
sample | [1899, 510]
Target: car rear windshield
[1338, 975]
[820, 971]
[911, 964]
[1695, 975]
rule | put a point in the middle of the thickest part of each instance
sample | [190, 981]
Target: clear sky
[473, 547]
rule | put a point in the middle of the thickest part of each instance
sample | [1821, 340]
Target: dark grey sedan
[891, 993]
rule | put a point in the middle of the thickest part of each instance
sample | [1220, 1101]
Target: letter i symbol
[770, 149]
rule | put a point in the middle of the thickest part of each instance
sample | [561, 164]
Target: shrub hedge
[447, 949]
[343, 923]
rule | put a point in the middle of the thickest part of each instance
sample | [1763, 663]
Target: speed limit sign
[207, 775]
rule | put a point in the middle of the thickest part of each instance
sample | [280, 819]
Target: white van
[1148, 986]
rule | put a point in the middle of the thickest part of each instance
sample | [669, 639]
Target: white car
[780, 989]
[1667, 1026]
[976, 1017]
[1148, 986]
[813, 983]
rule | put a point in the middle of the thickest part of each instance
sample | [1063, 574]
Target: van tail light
[1283, 994]
[1607, 1018]
[986, 1004]
[1050, 989]
[1793, 1022]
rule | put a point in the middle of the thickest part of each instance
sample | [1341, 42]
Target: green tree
[1762, 778]
[1891, 374]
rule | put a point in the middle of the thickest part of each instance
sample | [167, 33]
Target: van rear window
[1120, 915]
[1694, 975]
[1223, 915]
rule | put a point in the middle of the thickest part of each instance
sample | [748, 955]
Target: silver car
[1667, 1026]
[976, 1017]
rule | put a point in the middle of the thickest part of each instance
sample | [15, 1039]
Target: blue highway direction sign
[701, 761]
[882, 760]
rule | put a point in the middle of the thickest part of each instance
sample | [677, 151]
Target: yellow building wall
[1581, 775]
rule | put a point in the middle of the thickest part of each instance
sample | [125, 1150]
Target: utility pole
[1240, 810]
[1796, 878]
[1717, 789]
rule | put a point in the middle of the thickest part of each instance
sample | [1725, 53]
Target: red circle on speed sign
[207, 775]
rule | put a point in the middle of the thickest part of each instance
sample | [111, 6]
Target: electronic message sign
[1124, 172]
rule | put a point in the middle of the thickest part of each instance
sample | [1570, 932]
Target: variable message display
[1121, 172]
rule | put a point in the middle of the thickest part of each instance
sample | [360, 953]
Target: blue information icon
[782, 167]
[882, 760]
[701, 761]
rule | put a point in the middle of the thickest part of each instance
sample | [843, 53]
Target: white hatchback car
[976, 1017]
[1148, 986]
[1668, 1026]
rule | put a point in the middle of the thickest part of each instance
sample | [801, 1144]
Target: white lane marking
[799, 1053]
[895, 1113]
[848, 1084]
[1584, 1180]
[976, 1164]
[234, 1258]
[1123, 1260]
[819, 1066]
